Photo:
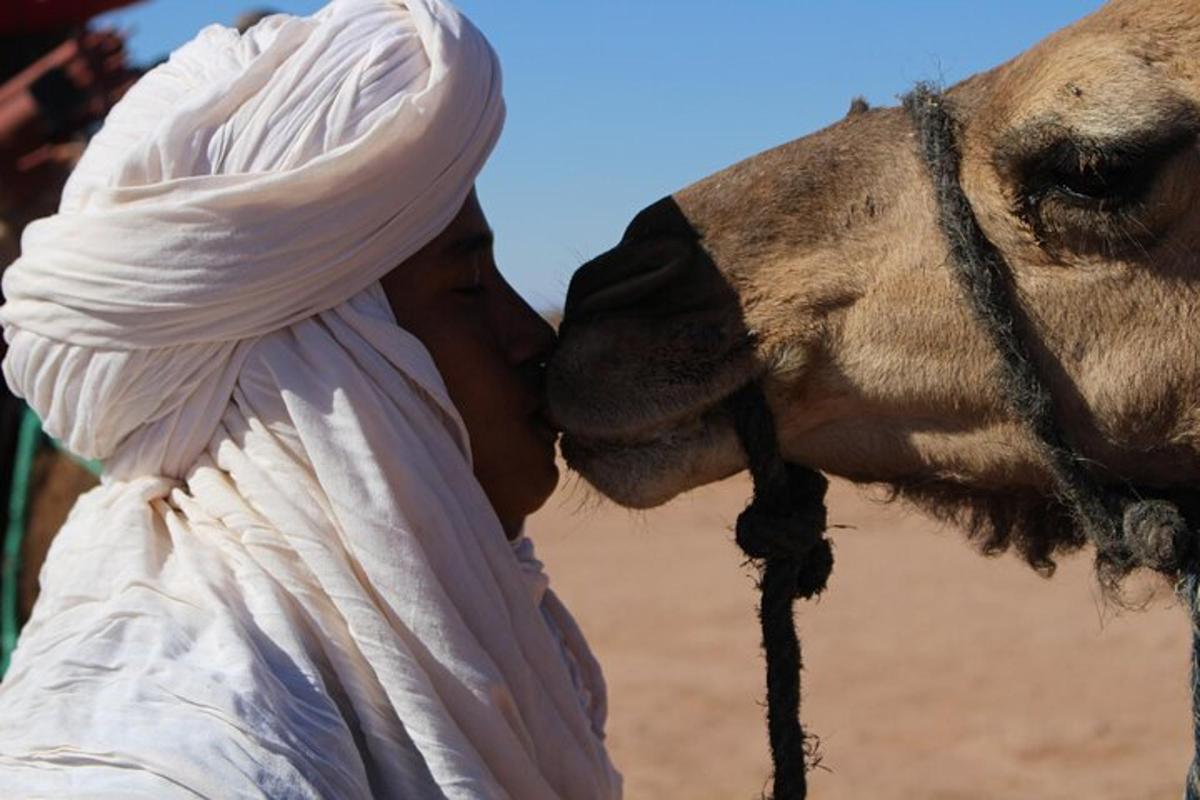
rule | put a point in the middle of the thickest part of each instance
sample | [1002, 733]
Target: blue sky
[615, 103]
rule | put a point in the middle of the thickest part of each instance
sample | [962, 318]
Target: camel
[818, 268]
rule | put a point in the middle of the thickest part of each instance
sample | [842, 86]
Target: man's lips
[545, 425]
[547, 415]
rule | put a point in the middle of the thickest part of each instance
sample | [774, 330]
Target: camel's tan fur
[874, 363]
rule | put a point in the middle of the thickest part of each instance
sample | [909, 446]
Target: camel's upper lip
[647, 431]
[647, 411]
[652, 438]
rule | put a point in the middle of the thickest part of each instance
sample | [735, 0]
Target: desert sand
[932, 672]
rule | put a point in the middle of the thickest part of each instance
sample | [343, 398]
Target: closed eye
[474, 287]
[1104, 177]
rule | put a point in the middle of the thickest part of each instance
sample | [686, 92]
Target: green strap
[92, 465]
[29, 439]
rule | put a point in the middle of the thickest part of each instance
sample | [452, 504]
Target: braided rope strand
[782, 530]
[986, 279]
[1189, 593]
[1127, 532]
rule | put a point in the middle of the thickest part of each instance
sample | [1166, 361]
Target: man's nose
[530, 338]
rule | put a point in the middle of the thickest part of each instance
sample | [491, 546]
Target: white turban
[289, 583]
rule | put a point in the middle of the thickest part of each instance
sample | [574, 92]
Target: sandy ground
[933, 672]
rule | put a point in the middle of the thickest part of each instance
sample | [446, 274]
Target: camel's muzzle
[651, 343]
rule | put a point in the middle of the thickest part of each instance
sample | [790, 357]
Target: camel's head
[819, 268]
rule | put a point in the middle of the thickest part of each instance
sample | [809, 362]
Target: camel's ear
[858, 105]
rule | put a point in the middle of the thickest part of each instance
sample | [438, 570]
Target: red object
[36, 16]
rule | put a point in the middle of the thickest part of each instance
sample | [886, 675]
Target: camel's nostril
[659, 249]
[622, 283]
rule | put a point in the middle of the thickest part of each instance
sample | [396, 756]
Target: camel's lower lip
[627, 472]
[643, 470]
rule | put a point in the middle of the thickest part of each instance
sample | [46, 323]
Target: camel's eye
[1091, 178]
[1105, 185]
[1105, 196]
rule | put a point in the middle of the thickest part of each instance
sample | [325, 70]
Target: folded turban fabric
[289, 583]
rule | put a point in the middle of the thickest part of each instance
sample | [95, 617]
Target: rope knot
[764, 532]
[1158, 536]
[789, 527]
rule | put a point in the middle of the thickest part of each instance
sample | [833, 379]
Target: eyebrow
[469, 245]
[1048, 137]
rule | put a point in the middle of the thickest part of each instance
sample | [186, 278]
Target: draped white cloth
[289, 583]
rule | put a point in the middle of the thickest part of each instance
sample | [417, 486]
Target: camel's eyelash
[1103, 177]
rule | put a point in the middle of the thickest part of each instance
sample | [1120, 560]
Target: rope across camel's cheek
[1127, 531]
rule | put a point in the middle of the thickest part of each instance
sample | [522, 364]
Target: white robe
[290, 583]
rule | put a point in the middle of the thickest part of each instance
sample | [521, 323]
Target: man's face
[491, 348]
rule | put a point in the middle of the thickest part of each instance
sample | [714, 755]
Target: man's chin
[541, 488]
[523, 487]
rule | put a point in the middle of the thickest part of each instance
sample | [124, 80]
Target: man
[268, 303]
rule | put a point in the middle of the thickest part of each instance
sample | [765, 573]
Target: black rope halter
[782, 530]
[783, 527]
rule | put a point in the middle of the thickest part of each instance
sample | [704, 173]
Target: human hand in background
[46, 108]
[72, 86]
